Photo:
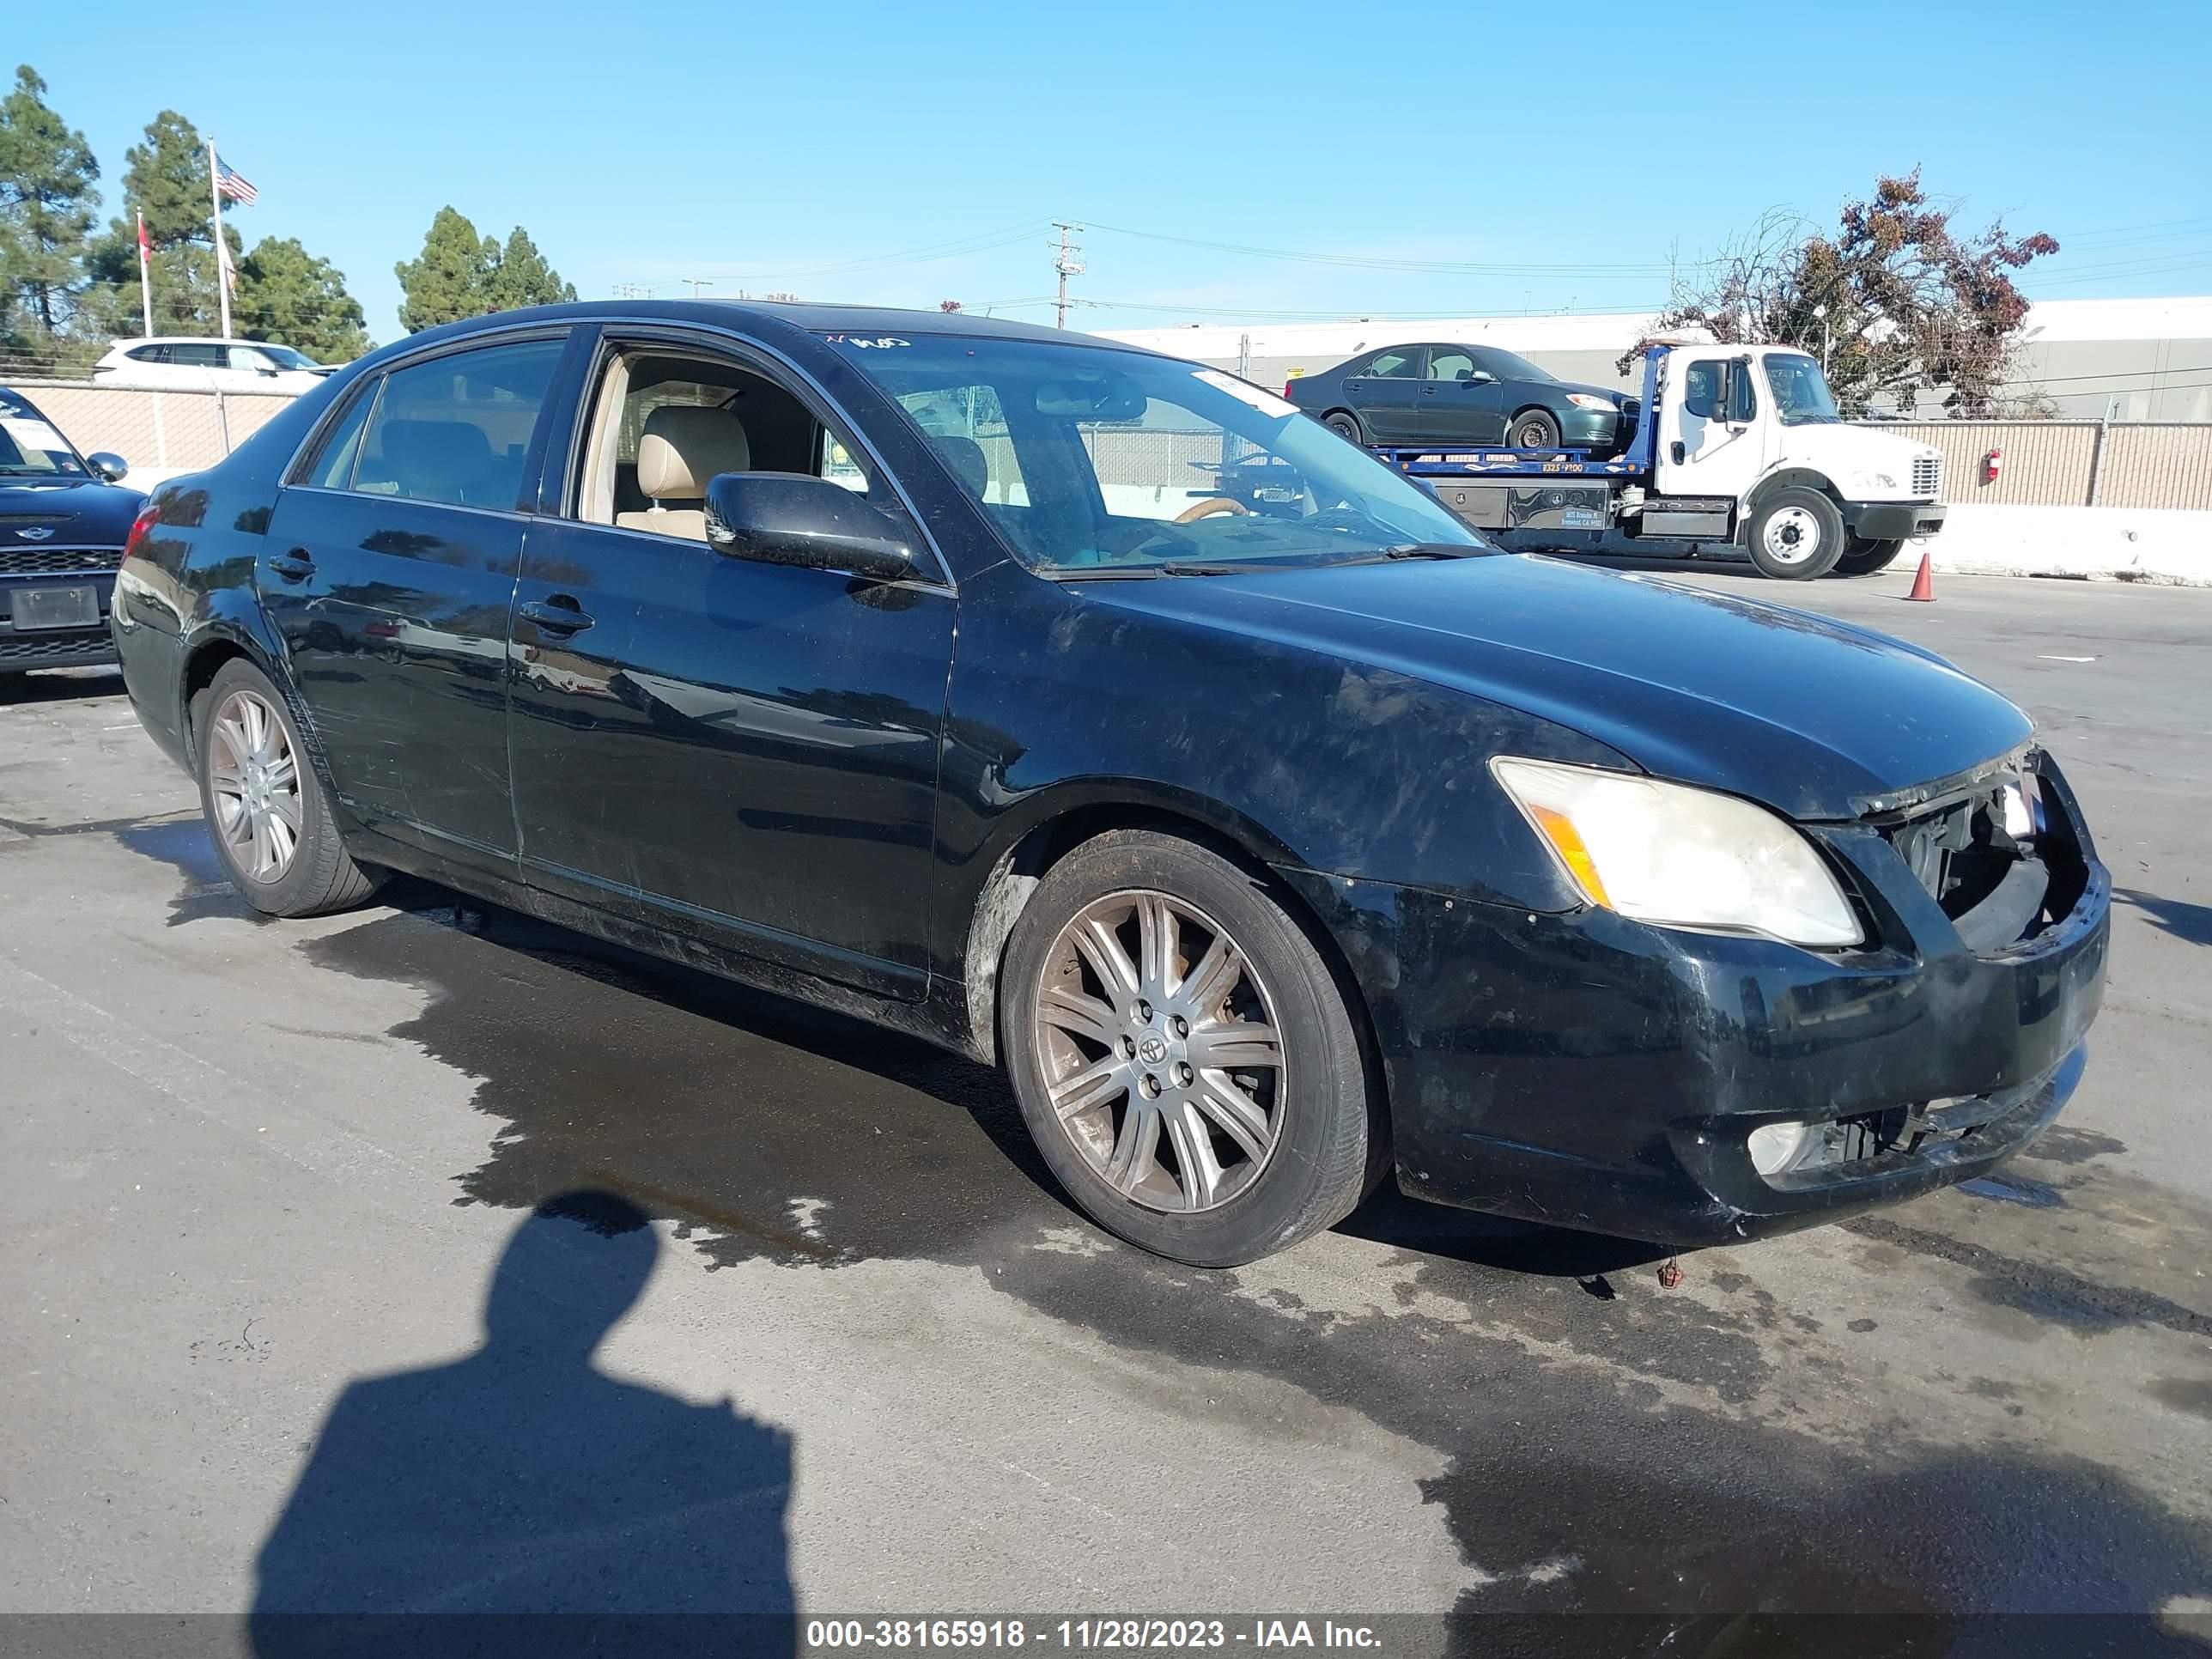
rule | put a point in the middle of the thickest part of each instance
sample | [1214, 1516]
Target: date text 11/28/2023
[1085, 1635]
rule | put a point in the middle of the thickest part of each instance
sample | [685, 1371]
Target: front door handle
[293, 567]
[558, 615]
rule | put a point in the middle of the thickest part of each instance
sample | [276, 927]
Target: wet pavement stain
[768, 1131]
[183, 844]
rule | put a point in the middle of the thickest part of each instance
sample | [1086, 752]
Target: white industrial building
[2127, 360]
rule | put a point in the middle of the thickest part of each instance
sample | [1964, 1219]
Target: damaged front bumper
[1590, 1072]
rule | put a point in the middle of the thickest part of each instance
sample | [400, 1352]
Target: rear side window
[331, 465]
[198, 356]
[152, 354]
[1396, 365]
[457, 429]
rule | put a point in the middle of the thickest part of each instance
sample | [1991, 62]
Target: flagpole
[221, 252]
[145, 277]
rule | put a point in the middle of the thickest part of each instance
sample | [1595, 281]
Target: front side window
[1402, 363]
[456, 429]
[1800, 391]
[1701, 390]
[1092, 456]
[1450, 365]
[665, 424]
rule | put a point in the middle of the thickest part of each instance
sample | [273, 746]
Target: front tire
[265, 808]
[1532, 428]
[1862, 557]
[1182, 1055]
[1345, 425]
[1797, 535]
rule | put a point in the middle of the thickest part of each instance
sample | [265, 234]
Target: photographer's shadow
[521, 1480]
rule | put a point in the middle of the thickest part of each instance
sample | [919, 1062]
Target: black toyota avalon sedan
[63, 523]
[1277, 841]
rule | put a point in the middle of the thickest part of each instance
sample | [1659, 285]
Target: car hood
[1811, 717]
[76, 512]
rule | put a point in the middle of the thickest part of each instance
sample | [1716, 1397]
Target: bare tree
[1897, 304]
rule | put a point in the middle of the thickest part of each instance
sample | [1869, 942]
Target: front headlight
[1678, 857]
[1584, 400]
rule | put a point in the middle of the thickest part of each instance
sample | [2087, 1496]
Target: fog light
[1775, 1146]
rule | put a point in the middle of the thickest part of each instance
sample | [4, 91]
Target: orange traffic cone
[1923, 584]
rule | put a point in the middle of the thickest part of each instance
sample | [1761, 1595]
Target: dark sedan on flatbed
[1462, 394]
[1277, 842]
[63, 523]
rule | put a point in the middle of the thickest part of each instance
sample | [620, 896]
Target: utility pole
[697, 283]
[1067, 262]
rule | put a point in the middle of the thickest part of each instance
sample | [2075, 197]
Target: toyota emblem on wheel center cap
[1153, 1049]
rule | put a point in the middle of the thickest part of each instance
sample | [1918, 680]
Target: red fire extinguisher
[1992, 463]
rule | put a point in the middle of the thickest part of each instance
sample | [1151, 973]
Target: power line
[1449, 267]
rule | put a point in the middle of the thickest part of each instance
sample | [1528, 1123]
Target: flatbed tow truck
[1736, 450]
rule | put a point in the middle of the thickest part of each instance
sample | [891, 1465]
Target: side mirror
[107, 466]
[1724, 403]
[797, 519]
[1482, 377]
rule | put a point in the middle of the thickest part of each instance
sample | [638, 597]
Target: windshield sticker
[34, 434]
[1266, 402]
[883, 341]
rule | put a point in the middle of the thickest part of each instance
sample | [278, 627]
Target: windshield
[1512, 366]
[1087, 458]
[284, 357]
[30, 448]
[1801, 390]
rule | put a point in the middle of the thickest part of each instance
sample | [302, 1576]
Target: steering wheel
[1206, 509]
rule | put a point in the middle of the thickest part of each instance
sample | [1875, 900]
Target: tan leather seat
[681, 447]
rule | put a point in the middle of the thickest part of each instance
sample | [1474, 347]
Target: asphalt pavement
[271, 1183]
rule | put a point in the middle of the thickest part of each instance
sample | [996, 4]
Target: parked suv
[62, 524]
[197, 363]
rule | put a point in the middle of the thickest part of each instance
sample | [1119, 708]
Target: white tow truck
[1735, 449]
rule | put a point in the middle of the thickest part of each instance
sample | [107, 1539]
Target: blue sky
[774, 147]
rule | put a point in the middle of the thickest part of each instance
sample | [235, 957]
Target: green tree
[48, 198]
[461, 274]
[522, 278]
[1897, 304]
[451, 278]
[291, 296]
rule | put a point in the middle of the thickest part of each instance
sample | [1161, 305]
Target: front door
[1460, 402]
[388, 566]
[1384, 393]
[1705, 449]
[749, 748]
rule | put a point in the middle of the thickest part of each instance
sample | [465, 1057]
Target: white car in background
[198, 363]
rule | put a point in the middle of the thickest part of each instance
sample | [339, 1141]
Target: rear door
[742, 750]
[1384, 393]
[389, 566]
[1460, 401]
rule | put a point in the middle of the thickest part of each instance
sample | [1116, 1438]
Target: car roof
[813, 317]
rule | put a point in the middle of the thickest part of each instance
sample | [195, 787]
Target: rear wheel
[1182, 1053]
[1862, 557]
[264, 806]
[1797, 535]
[1534, 428]
[1345, 425]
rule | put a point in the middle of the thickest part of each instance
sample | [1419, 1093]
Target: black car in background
[1462, 394]
[1273, 838]
[62, 524]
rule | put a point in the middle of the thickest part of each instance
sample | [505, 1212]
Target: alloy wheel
[1163, 1058]
[253, 778]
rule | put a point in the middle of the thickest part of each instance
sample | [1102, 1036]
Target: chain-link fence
[2070, 463]
[159, 433]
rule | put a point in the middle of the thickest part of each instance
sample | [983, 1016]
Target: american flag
[233, 184]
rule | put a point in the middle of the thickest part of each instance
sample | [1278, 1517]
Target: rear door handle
[293, 567]
[558, 615]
